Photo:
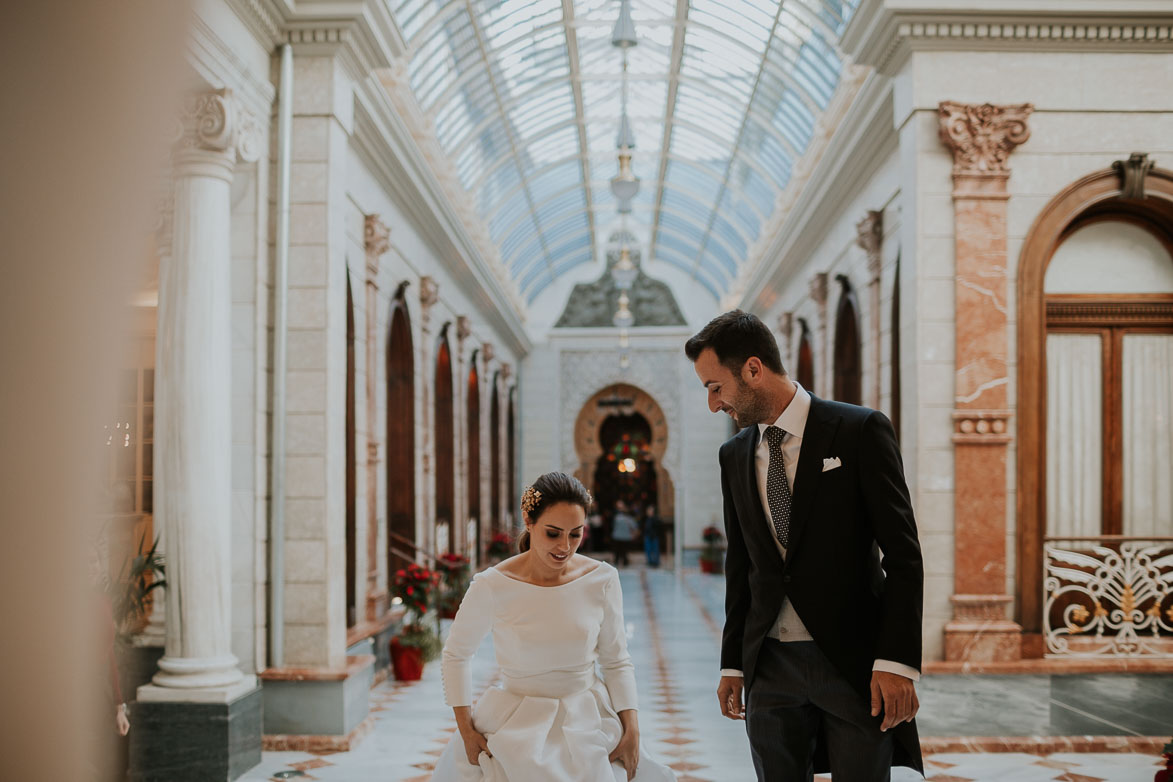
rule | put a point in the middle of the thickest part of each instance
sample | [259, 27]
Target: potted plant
[499, 547]
[131, 595]
[454, 577]
[1166, 774]
[416, 643]
[713, 555]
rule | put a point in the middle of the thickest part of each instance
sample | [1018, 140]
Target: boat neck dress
[565, 673]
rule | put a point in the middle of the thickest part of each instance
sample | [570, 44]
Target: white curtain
[1148, 434]
[1074, 434]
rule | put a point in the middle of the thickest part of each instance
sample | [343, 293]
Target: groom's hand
[896, 696]
[729, 696]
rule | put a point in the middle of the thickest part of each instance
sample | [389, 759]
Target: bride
[554, 614]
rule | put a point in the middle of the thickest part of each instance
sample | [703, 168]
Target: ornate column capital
[818, 288]
[870, 236]
[376, 241]
[429, 292]
[786, 325]
[487, 352]
[216, 121]
[981, 137]
[463, 328]
[506, 372]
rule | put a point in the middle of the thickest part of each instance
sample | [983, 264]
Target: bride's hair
[551, 489]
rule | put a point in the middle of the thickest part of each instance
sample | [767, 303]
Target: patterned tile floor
[673, 628]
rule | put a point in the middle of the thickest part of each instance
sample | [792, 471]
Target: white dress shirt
[792, 421]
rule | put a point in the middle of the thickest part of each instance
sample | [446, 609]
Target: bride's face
[556, 535]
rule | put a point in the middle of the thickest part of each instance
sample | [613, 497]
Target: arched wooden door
[445, 457]
[400, 439]
[495, 456]
[806, 358]
[351, 470]
[848, 367]
[474, 453]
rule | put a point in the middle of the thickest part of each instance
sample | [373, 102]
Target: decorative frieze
[982, 137]
[990, 427]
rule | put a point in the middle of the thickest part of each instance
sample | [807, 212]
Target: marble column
[981, 138]
[193, 420]
[377, 240]
[870, 236]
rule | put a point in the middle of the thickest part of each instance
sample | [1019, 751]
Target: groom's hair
[735, 336]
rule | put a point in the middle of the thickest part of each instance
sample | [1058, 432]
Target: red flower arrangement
[712, 535]
[414, 585]
[499, 546]
[454, 570]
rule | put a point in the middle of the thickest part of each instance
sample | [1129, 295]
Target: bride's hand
[474, 741]
[627, 751]
[474, 744]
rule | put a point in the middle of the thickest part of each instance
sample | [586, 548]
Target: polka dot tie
[777, 487]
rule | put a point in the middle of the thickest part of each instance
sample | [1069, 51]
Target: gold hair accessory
[530, 499]
[590, 498]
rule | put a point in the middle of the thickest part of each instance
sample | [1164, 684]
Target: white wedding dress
[553, 719]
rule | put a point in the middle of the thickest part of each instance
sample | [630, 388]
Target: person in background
[651, 532]
[624, 531]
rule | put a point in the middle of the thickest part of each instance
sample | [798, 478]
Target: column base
[980, 631]
[194, 737]
[318, 702]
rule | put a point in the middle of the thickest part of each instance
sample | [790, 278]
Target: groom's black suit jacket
[857, 606]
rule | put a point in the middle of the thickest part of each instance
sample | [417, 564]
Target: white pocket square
[832, 463]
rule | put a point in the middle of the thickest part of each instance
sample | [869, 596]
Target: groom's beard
[749, 409]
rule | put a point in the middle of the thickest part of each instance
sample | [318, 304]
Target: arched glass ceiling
[525, 98]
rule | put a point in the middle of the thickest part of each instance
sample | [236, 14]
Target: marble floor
[673, 627]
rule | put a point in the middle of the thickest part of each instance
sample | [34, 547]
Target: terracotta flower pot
[710, 566]
[406, 662]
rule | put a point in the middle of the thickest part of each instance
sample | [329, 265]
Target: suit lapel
[821, 425]
[757, 524]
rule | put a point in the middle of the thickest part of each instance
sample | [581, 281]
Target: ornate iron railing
[1108, 596]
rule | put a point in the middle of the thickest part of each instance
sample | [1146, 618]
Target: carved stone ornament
[463, 328]
[786, 325]
[217, 122]
[429, 292]
[506, 372]
[1132, 174]
[981, 427]
[982, 137]
[819, 288]
[376, 236]
[870, 236]
[487, 352]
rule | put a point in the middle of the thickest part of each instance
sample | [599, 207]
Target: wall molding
[883, 33]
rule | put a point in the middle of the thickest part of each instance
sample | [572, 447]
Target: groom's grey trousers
[797, 694]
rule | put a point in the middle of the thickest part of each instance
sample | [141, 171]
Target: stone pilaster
[981, 138]
[786, 331]
[823, 375]
[377, 240]
[870, 236]
[429, 295]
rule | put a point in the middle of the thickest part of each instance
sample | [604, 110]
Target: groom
[824, 578]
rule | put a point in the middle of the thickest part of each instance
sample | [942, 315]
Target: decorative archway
[589, 449]
[444, 435]
[400, 437]
[1094, 197]
[848, 367]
